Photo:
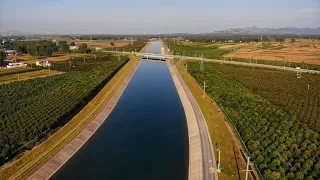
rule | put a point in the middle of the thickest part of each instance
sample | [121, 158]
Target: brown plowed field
[304, 50]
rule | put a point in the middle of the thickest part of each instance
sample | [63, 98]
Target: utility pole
[247, 170]
[70, 63]
[18, 76]
[201, 65]
[298, 72]
[204, 89]
[308, 87]
[49, 70]
[218, 170]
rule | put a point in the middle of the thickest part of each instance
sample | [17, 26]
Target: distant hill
[232, 31]
[258, 31]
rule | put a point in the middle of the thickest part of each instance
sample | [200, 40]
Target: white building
[74, 47]
[15, 65]
[10, 52]
[43, 63]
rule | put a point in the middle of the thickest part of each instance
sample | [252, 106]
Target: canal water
[145, 136]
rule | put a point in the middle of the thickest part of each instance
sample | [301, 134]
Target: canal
[145, 137]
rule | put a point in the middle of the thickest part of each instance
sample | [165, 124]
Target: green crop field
[136, 46]
[207, 51]
[9, 71]
[31, 108]
[284, 89]
[275, 114]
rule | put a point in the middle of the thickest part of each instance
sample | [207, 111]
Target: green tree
[48, 52]
[5, 151]
[299, 175]
[2, 57]
[112, 43]
[31, 49]
[83, 48]
[72, 44]
[276, 175]
[267, 174]
[259, 159]
[42, 48]
[61, 42]
[64, 47]
[7, 45]
[20, 47]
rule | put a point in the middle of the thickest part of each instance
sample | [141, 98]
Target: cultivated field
[32, 160]
[304, 50]
[304, 53]
[102, 43]
[27, 75]
[211, 51]
[56, 57]
[299, 96]
[7, 71]
[49, 102]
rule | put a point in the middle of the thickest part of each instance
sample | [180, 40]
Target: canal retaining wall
[195, 149]
[201, 156]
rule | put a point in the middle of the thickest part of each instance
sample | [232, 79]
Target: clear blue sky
[148, 16]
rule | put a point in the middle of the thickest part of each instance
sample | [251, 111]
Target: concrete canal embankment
[201, 157]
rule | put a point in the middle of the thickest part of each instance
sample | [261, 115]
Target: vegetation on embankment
[221, 135]
[136, 46]
[204, 50]
[281, 146]
[31, 109]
